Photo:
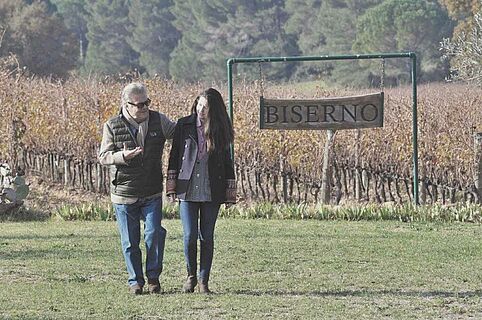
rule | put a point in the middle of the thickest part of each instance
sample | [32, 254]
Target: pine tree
[259, 31]
[405, 25]
[330, 29]
[215, 30]
[108, 51]
[152, 34]
[197, 21]
[38, 37]
[302, 22]
[75, 15]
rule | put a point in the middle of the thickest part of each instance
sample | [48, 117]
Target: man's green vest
[142, 176]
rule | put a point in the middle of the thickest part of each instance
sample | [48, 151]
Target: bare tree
[465, 54]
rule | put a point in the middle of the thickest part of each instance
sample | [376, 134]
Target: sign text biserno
[365, 111]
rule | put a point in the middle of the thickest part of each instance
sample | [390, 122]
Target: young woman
[201, 175]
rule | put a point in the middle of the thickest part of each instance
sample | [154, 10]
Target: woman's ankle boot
[189, 285]
[203, 286]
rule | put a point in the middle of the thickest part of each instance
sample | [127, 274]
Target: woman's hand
[171, 197]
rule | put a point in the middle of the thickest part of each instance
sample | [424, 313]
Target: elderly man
[132, 145]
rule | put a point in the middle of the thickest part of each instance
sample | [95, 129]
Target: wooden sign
[364, 111]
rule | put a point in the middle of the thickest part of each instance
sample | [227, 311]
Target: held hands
[130, 154]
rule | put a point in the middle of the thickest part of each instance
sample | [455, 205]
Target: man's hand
[130, 154]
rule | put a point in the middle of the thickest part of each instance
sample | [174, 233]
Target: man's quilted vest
[142, 176]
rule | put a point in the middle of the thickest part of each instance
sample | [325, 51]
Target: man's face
[137, 105]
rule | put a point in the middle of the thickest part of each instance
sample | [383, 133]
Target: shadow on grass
[364, 293]
[65, 253]
[58, 237]
[24, 215]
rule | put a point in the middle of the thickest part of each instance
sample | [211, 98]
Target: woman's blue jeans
[128, 221]
[206, 213]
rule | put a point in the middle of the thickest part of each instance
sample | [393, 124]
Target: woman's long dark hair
[217, 129]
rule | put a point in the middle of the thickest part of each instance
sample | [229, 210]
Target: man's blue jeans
[128, 221]
[206, 213]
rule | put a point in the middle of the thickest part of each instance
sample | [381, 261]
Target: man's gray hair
[135, 88]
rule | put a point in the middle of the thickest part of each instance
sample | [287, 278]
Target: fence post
[423, 189]
[13, 147]
[358, 181]
[284, 179]
[326, 168]
[478, 165]
[66, 171]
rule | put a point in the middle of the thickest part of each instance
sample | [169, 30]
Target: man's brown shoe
[135, 289]
[189, 285]
[153, 286]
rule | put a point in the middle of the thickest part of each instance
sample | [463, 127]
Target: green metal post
[230, 98]
[415, 128]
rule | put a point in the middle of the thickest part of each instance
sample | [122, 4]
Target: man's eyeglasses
[141, 105]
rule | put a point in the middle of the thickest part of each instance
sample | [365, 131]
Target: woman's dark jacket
[183, 157]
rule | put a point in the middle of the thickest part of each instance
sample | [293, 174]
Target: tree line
[189, 40]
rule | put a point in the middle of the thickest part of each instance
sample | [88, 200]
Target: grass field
[263, 269]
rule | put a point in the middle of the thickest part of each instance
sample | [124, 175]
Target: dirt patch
[46, 196]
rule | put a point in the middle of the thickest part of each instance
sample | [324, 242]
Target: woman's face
[202, 108]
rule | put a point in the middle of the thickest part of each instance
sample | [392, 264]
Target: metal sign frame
[410, 55]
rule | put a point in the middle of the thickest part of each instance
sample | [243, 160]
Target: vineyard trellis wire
[276, 183]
